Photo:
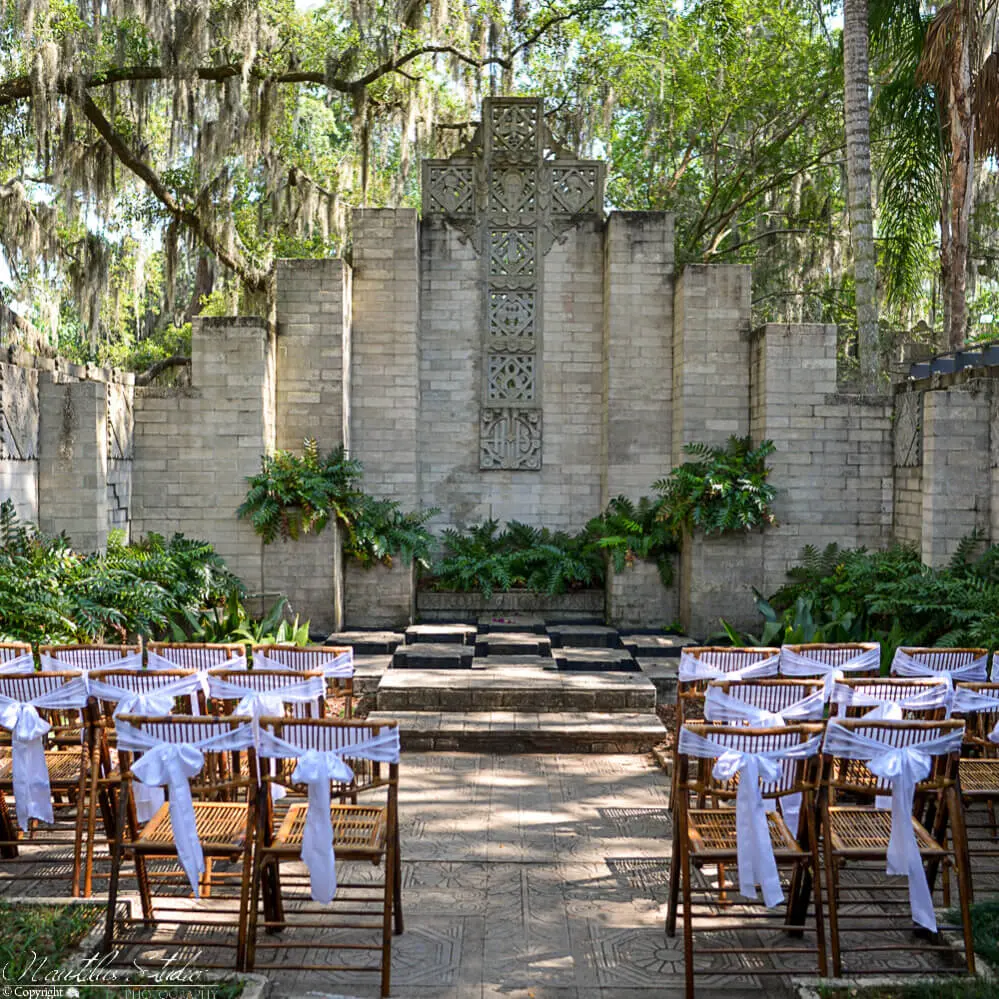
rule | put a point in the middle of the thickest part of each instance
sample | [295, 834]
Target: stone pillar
[638, 351]
[313, 353]
[956, 479]
[379, 596]
[73, 461]
[385, 384]
[711, 313]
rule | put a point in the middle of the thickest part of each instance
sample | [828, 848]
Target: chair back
[88, 657]
[700, 664]
[29, 687]
[192, 655]
[335, 662]
[223, 685]
[9, 651]
[839, 776]
[116, 685]
[916, 697]
[978, 705]
[771, 696]
[819, 658]
[796, 775]
[961, 664]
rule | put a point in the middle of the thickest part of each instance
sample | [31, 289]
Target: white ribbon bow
[754, 850]
[975, 671]
[798, 665]
[30, 777]
[939, 695]
[19, 664]
[217, 660]
[903, 768]
[173, 764]
[317, 769]
[692, 668]
[337, 667]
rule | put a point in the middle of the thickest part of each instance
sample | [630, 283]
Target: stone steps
[512, 643]
[525, 732]
[515, 688]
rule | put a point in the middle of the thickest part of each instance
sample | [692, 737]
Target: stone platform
[513, 684]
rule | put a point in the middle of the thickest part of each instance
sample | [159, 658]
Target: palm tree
[858, 165]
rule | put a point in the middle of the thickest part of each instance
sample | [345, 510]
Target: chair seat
[863, 831]
[712, 831]
[979, 777]
[221, 827]
[63, 767]
[358, 829]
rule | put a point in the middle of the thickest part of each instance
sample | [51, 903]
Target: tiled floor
[538, 877]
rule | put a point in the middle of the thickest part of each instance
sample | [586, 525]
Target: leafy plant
[379, 530]
[627, 530]
[723, 489]
[294, 495]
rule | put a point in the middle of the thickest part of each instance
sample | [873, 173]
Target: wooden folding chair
[773, 696]
[855, 659]
[336, 662]
[67, 762]
[267, 683]
[224, 817]
[112, 689]
[918, 698]
[710, 837]
[859, 834]
[193, 655]
[86, 657]
[11, 651]
[363, 833]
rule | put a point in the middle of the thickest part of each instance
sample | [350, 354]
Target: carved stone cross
[513, 193]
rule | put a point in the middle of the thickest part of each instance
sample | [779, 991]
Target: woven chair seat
[63, 768]
[712, 831]
[357, 829]
[221, 827]
[864, 831]
[979, 777]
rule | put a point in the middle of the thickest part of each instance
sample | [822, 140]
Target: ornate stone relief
[514, 201]
[121, 422]
[908, 429]
[18, 413]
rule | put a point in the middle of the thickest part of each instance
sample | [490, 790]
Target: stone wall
[636, 597]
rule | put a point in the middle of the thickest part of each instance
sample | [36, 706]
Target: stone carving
[452, 189]
[511, 438]
[908, 429]
[18, 413]
[513, 199]
[994, 431]
[121, 422]
[511, 378]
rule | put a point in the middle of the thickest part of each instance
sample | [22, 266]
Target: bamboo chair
[197, 655]
[265, 681]
[707, 836]
[303, 658]
[225, 830]
[856, 834]
[906, 692]
[769, 695]
[978, 768]
[690, 692]
[105, 780]
[67, 763]
[939, 661]
[361, 833]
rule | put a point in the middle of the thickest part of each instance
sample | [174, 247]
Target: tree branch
[254, 277]
[147, 376]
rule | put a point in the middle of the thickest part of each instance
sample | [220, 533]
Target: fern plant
[627, 531]
[723, 489]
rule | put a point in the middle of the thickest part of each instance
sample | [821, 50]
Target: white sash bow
[338, 667]
[155, 661]
[50, 664]
[19, 664]
[903, 768]
[317, 769]
[692, 668]
[939, 695]
[755, 854]
[173, 765]
[795, 664]
[30, 777]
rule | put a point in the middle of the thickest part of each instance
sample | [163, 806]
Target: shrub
[627, 530]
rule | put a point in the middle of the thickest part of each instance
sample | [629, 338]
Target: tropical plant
[294, 495]
[627, 530]
[380, 530]
[724, 489]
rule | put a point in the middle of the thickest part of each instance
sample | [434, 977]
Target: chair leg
[387, 905]
[959, 838]
[688, 922]
[243, 944]
[674, 879]
[116, 852]
[832, 888]
[820, 935]
[397, 889]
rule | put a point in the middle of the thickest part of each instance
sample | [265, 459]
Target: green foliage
[47, 933]
[627, 530]
[487, 559]
[723, 489]
[295, 495]
[850, 595]
[154, 587]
